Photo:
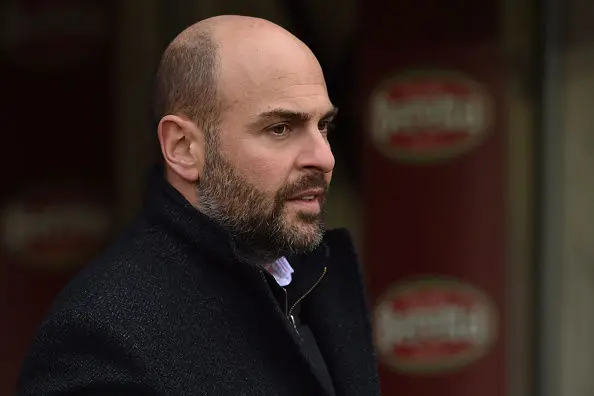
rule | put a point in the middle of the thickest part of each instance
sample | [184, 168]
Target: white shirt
[281, 270]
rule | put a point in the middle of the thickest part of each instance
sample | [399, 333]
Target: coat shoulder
[134, 280]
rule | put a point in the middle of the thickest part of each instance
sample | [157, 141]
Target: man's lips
[308, 195]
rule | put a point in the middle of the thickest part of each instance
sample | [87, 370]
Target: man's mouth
[308, 195]
[308, 201]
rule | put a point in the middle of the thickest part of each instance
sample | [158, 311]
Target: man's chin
[304, 222]
[306, 236]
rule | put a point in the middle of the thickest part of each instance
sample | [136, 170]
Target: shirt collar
[281, 270]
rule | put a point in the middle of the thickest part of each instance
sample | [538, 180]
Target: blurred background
[465, 154]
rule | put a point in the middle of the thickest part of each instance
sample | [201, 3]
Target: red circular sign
[433, 325]
[428, 116]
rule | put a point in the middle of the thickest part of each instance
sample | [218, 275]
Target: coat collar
[165, 205]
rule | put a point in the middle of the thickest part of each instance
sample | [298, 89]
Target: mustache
[306, 182]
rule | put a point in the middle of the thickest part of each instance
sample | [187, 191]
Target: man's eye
[325, 126]
[280, 130]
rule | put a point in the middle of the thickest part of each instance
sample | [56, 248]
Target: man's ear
[182, 146]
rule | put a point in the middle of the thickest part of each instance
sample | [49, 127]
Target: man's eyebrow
[292, 115]
[330, 113]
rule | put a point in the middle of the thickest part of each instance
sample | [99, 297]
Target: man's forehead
[299, 93]
[302, 101]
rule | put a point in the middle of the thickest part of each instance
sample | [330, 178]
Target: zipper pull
[292, 319]
[289, 315]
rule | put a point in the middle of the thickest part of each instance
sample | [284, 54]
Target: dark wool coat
[168, 309]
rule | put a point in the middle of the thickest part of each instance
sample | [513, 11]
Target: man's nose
[317, 153]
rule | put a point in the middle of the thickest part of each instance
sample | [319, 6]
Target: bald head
[203, 62]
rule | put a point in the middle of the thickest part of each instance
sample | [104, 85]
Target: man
[227, 283]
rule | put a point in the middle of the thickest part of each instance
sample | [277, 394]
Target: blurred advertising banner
[434, 195]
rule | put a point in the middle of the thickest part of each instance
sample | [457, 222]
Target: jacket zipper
[290, 317]
[308, 292]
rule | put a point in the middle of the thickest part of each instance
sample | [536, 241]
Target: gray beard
[254, 220]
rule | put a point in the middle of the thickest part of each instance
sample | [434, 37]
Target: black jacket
[168, 309]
